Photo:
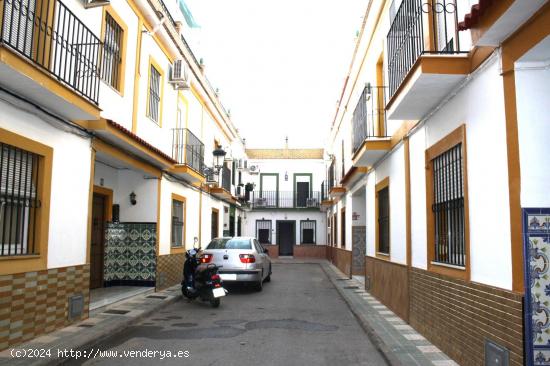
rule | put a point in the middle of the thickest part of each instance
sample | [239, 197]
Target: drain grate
[156, 297]
[86, 325]
[343, 279]
[351, 287]
[116, 311]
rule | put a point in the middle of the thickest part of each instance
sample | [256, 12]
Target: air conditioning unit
[88, 4]
[254, 169]
[312, 202]
[180, 76]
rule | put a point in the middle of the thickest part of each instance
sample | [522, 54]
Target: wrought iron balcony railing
[369, 117]
[407, 40]
[188, 149]
[331, 176]
[284, 199]
[48, 34]
[325, 191]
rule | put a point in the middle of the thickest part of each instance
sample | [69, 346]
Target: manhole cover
[86, 325]
[156, 297]
[351, 287]
[116, 311]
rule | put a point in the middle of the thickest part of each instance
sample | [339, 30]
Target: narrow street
[298, 319]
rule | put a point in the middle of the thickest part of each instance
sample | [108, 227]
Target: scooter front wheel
[215, 303]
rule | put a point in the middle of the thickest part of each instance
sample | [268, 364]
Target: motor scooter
[201, 280]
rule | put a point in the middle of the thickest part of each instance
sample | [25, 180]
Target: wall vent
[76, 307]
[496, 355]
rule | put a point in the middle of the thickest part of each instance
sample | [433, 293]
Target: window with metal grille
[112, 52]
[178, 224]
[263, 231]
[153, 110]
[19, 200]
[383, 197]
[308, 232]
[448, 207]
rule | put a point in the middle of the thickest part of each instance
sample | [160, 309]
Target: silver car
[242, 259]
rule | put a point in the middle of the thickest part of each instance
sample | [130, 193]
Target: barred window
[19, 200]
[153, 110]
[112, 52]
[448, 207]
[308, 232]
[383, 197]
[263, 231]
[178, 224]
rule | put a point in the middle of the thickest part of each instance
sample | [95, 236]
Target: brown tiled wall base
[34, 303]
[341, 258]
[388, 282]
[169, 270]
[458, 316]
[300, 251]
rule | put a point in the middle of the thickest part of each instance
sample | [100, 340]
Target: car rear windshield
[229, 244]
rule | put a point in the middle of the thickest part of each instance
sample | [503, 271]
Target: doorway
[215, 222]
[302, 194]
[97, 247]
[286, 236]
[239, 226]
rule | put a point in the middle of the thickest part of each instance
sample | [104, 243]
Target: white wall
[291, 166]
[532, 96]
[249, 228]
[70, 186]
[480, 106]
[417, 147]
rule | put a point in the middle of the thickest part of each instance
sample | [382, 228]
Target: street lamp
[219, 155]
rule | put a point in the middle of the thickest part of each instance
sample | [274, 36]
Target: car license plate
[228, 276]
[218, 292]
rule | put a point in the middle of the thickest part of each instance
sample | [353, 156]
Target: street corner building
[436, 189]
[116, 156]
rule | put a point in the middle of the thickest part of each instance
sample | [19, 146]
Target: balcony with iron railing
[226, 178]
[425, 58]
[262, 200]
[335, 188]
[370, 139]
[61, 53]
[188, 152]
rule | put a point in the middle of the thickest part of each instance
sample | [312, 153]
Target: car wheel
[268, 278]
[260, 284]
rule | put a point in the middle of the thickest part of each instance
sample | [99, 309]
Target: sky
[279, 65]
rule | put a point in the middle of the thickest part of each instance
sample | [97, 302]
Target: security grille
[384, 221]
[112, 46]
[308, 232]
[177, 223]
[448, 207]
[19, 200]
[263, 231]
[154, 95]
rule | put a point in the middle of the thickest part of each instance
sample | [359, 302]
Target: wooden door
[98, 241]
[302, 194]
[215, 220]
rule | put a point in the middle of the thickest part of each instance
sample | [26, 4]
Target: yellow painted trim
[121, 155]
[46, 81]
[182, 199]
[38, 261]
[109, 195]
[160, 70]
[137, 76]
[122, 67]
[185, 169]
[90, 206]
[384, 183]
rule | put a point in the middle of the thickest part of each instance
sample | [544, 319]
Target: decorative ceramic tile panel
[130, 254]
[536, 237]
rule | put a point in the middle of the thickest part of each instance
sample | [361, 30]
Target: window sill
[155, 122]
[383, 256]
[462, 273]
[177, 250]
[22, 263]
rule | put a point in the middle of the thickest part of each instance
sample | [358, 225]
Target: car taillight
[206, 258]
[247, 258]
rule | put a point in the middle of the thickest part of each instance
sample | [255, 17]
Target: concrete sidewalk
[102, 322]
[398, 341]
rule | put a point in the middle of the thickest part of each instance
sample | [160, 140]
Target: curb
[378, 343]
